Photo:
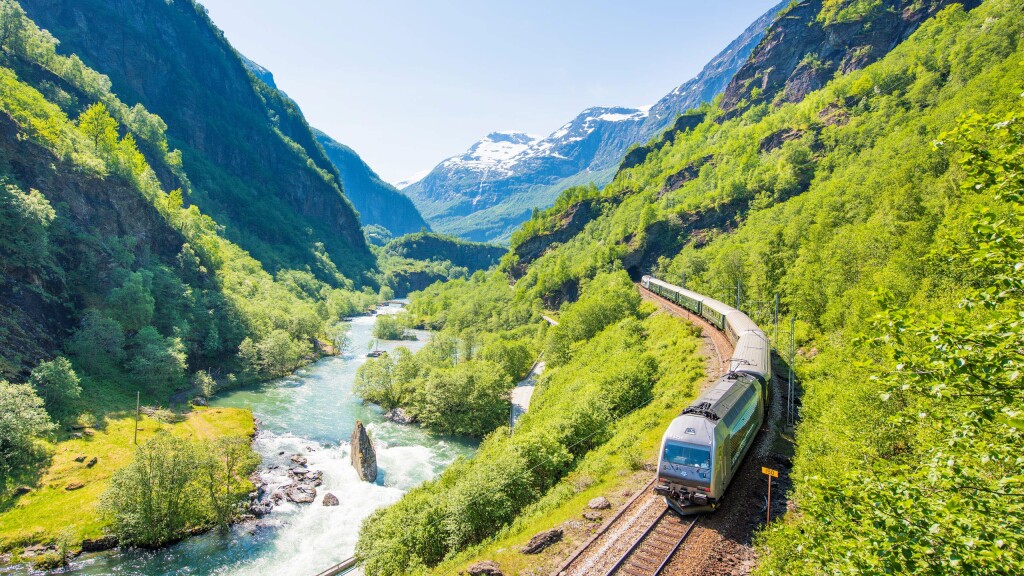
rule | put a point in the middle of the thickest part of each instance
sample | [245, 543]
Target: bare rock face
[485, 568]
[541, 541]
[364, 458]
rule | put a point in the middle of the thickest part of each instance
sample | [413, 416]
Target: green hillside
[105, 265]
[254, 163]
[884, 209]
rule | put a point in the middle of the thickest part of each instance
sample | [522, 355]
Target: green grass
[49, 509]
[614, 470]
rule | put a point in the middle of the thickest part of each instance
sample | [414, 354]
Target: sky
[408, 83]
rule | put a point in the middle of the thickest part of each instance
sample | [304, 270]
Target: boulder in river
[330, 500]
[300, 493]
[399, 416]
[364, 458]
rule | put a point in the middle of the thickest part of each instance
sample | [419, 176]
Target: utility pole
[137, 408]
[737, 294]
[791, 404]
[776, 321]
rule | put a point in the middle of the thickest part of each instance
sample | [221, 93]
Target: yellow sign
[770, 472]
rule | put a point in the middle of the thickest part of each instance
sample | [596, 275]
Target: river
[311, 413]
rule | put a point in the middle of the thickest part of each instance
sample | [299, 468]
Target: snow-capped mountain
[485, 193]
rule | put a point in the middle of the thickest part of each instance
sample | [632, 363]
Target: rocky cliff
[378, 202]
[814, 40]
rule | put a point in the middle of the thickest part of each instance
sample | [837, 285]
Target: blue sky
[408, 83]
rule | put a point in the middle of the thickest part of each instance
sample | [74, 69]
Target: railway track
[653, 550]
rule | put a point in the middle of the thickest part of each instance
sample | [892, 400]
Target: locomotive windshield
[687, 455]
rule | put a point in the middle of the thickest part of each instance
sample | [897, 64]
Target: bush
[176, 486]
[204, 383]
[389, 327]
[469, 399]
[57, 383]
[23, 421]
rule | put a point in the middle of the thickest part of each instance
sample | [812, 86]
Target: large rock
[364, 458]
[330, 500]
[599, 503]
[541, 541]
[485, 568]
[300, 493]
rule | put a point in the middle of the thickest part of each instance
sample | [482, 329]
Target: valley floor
[64, 503]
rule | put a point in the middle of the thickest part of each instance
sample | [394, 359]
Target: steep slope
[486, 192]
[254, 162]
[815, 39]
[378, 202]
[102, 261]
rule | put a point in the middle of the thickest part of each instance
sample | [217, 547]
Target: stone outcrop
[485, 568]
[801, 51]
[542, 541]
[364, 458]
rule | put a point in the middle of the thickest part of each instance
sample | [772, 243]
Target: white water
[311, 413]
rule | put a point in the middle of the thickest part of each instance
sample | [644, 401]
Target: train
[704, 446]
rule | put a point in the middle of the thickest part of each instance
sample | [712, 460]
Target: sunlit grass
[50, 508]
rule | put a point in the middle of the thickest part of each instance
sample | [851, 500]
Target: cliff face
[810, 43]
[254, 162]
[39, 299]
[378, 202]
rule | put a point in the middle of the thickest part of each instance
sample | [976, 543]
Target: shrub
[176, 486]
[56, 382]
[23, 421]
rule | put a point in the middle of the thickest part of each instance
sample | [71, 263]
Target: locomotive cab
[686, 466]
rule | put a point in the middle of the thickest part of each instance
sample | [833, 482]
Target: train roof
[691, 429]
[721, 397]
[752, 354]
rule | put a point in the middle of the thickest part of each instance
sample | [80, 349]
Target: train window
[687, 455]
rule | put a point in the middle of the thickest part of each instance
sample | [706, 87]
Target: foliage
[843, 11]
[56, 382]
[171, 292]
[277, 355]
[175, 486]
[390, 327]
[952, 499]
[472, 256]
[48, 511]
[23, 422]
[573, 412]
[468, 399]
[204, 383]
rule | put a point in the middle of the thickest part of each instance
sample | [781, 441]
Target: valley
[802, 264]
